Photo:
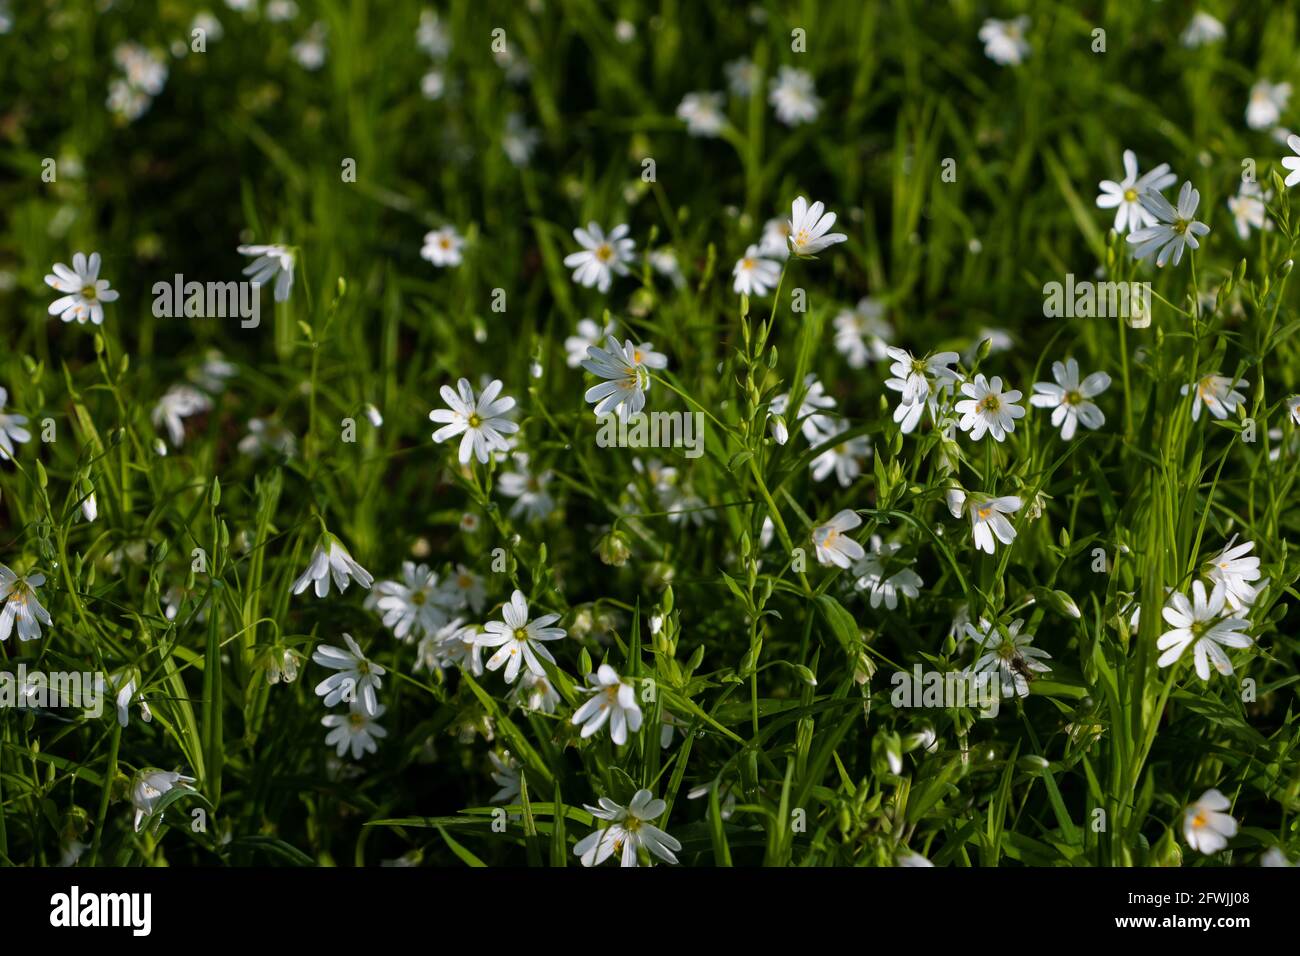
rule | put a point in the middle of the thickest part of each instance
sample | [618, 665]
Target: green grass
[775, 668]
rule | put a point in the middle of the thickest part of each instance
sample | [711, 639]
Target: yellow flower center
[1130, 195]
[88, 292]
[989, 403]
[604, 253]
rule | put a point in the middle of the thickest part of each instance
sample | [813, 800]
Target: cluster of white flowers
[1210, 622]
[143, 76]
[432, 38]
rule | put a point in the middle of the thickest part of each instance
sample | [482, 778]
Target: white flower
[480, 421]
[613, 700]
[1267, 101]
[702, 113]
[1292, 162]
[536, 694]
[89, 506]
[271, 262]
[808, 228]
[310, 50]
[11, 429]
[1004, 40]
[86, 292]
[331, 559]
[278, 11]
[1274, 857]
[150, 786]
[126, 696]
[775, 243]
[212, 373]
[410, 607]
[455, 645]
[862, 334]
[587, 334]
[814, 397]
[519, 140]
[281, 665]
[988, 517]
[442, 247]
[1125, 196]
[356, 730]
[1198, 624]
[22, 605]
[919, 382]
[626, 376]
[178, 403]
[1201, 30]
[755, 275]
[517, 639]
[1069, 399]
[431, 36]
[742, 76]
[629, 830]
[1232, 570]
[466, 589]
[874, 577]
[777, 426]
[1175, 229]
[356, 678]
[266, 435]
[528, 488]
[1249, 210]
[794, 97]
[1292, 408]
[505, 774]
[832, 543]
[432, 85]
[664, 261]
[1205, 826]
[143, 69]
[1011, 656]
[988, 409]
[1218, 393]
[845, 457]
[601, 256]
